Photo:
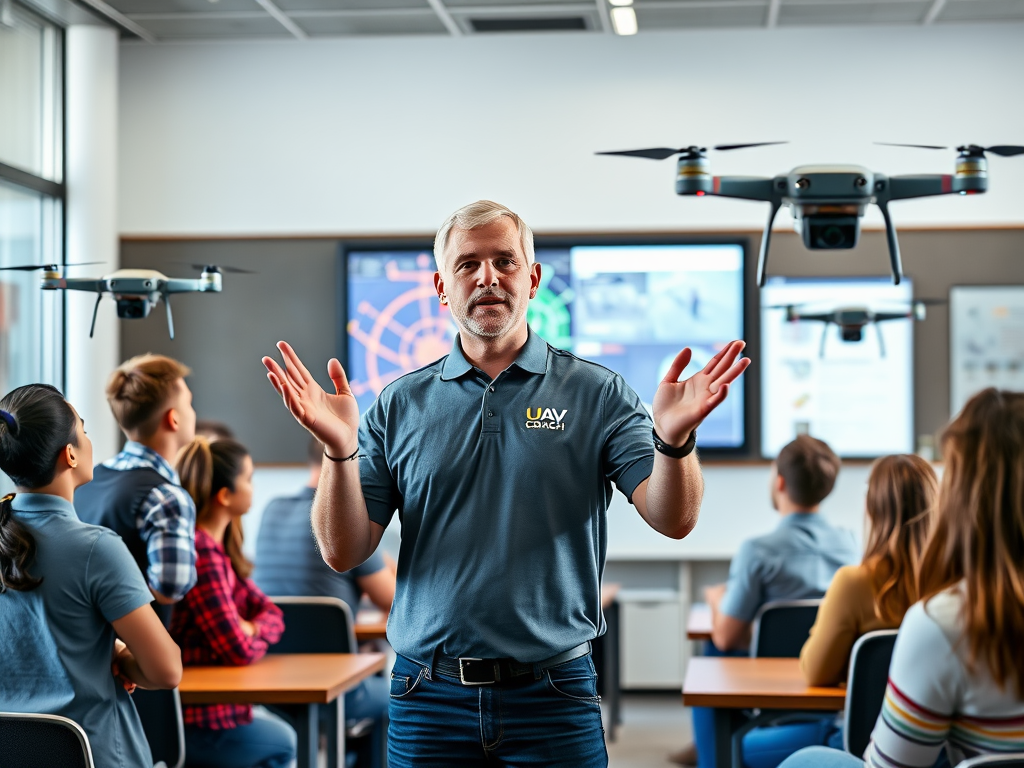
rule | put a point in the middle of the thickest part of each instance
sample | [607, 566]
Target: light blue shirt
[56, 640]
[502, 488]
[796, 561]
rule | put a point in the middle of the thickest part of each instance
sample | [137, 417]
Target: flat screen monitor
[855, 395]
[629, 307]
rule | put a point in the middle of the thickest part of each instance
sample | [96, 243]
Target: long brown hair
[205, 468]
[978, 536]
[902, 492]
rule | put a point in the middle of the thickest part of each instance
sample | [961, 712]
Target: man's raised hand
[332, 419]
[680, 406]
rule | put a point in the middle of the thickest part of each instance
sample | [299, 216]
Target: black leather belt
[471, 671]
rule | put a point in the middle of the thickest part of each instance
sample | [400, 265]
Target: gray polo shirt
[288, 562]
[502, 488]
[796, 561]
[56, 640]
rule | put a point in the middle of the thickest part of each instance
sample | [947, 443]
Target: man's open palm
[332, 419]
[680, 406]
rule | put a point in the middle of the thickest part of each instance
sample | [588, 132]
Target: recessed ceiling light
[621, 2]
[624, 21]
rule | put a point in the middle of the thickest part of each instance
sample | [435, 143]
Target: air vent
[526, 24]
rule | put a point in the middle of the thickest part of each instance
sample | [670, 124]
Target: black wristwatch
[675, 453]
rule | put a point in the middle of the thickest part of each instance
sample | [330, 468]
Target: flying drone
[852, 320]
[135, 291]
[827, 201]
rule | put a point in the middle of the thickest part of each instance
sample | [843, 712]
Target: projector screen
[628, 307]
[855, 395]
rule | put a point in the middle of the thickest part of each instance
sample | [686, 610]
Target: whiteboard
[986, 339]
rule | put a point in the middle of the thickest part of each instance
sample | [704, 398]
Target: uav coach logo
[547, 418]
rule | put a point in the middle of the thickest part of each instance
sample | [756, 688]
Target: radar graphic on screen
[628, 308]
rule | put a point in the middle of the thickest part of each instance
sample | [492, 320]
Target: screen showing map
[857, 396]
[630, 308]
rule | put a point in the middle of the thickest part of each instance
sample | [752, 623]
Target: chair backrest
[315, 625]
[865, 687]
[43, 741]
[160, 712]
[1005, 760]
[782, 627]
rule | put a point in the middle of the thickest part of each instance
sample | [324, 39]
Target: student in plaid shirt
[137, 493]
[225, 619]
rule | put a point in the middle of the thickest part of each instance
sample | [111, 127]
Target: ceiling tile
[982, 10]
[852, 12]
[317, 25]
[131, 7]
[700, 17]
[359, 6]
[217, 28]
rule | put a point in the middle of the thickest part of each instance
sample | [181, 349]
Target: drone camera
[830, 233]
[852, 333]
[133, 307]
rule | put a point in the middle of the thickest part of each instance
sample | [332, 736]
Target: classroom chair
[782, 627]
[1006, 760]
[160, 713]
[322, 625]
[865, 687]
[43, 741]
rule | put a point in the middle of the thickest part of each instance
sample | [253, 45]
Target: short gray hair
[476, 215]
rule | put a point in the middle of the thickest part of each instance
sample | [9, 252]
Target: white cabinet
[652, 639]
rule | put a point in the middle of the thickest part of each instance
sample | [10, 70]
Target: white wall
[390, 135]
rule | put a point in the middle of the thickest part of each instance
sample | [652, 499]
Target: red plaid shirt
[207, 625]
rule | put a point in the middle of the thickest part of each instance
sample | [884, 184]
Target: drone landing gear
[762, 256]
[95, 310]
[894, 246]
[170, 318]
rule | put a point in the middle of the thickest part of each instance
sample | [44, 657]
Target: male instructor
[499, 459]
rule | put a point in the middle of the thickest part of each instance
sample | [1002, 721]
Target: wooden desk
[698, 623]
[730, 685]
[303, 681]
[371, 625]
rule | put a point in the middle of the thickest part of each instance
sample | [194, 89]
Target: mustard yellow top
[847, 611]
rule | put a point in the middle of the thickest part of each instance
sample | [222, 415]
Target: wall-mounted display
[628, 306]
[986, 340]
[847, 380]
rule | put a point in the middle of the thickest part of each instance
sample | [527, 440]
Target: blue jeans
[267, 742]
[552, 719]
[822, 757]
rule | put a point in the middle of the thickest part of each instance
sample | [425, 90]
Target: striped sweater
[933, 700]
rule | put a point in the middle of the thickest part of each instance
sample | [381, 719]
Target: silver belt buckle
[462, 674]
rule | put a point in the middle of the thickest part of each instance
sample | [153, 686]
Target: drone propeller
[49, 267]
[1002, 150]
[216, 268]
[662, 153]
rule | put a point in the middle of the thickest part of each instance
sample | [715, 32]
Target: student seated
[68, 590]
[902, 493]
[225, 619]
[137, 494]
[795, 561]
[288, 563]
[956, 681]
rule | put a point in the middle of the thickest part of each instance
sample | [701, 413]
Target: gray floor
[653, 725]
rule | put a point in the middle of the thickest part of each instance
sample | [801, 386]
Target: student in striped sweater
[955, 681]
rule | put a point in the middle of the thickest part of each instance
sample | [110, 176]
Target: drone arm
[904, 187]
[762, 256]
[84, 284]
[744, 187]
[173, 285]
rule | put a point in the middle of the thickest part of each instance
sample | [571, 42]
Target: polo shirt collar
[43, 502]
[533, 358]
[800, 519]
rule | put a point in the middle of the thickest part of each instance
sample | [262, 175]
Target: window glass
[29, 93]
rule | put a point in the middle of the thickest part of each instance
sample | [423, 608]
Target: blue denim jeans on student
[552, 719]
[762, 747]
[267, 742]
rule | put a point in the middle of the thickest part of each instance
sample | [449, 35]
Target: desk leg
[726, 723]
[307, 721]
[336, 733]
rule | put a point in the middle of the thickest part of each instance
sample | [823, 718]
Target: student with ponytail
[69, 590]
[225, 619]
